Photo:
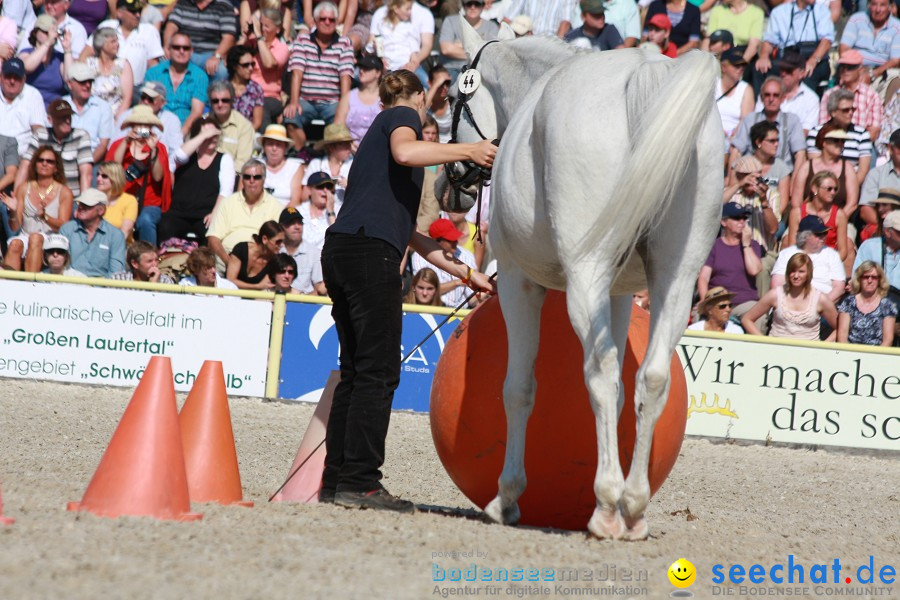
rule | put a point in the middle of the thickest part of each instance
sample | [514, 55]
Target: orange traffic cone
[142, 471]
[209, 454]
[305, 477]
[4, 520]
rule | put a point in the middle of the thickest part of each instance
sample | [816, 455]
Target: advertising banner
[62, 332]
[310, 352]
[814, 394]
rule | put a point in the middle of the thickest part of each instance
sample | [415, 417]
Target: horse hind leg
[591, 316]
[521, 300]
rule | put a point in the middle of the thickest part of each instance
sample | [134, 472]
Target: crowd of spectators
[225, 130]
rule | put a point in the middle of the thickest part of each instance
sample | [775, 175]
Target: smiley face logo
[682, 573]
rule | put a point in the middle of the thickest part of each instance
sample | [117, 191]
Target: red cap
[443, 228]
[660, 21]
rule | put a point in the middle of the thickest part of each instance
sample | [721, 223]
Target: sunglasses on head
[251, 176]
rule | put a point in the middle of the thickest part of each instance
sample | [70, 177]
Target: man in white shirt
[88, 111]
[21, 106]
[453, 291]
[309, 278]
[139, 43]
[799, 99]
[59, 10]
[828, 271]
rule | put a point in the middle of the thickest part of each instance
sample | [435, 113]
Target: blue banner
[310, 351]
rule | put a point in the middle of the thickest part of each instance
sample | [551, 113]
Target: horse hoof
[606, 524]
[638, 529]
[498, 514]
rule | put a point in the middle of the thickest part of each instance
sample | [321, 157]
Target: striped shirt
[868, 110]
[205, 27]
[876, 49]
[545, 14]
[321, 69]
[75, 151]
[859, 144]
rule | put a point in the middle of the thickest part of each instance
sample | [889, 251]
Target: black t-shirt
[382, 197]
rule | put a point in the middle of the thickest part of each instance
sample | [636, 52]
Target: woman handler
[361, 268]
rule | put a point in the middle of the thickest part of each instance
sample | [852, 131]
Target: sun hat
[277, 133]
[13, 66]
[892, 220]
[335, 133]
[714, 295]
[888, 196]
[837, 134]
[522, 25]
[45, 23]
[142, 115]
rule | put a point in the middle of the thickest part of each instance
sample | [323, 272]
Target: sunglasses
[327, 19]
[740, 218]
[771, 140]
[723, 306]
[288, 270]
[844, 110]
[46, 161]
[146, 98]
[178, 47]
[822, 234]
[220, 100]
[102, 176]
[80, 206]
[775, 95]
[326, 186]
[250, 177]
[53, 251]
[471, 4]
[871, 277]
[830, 188]
[247, 65]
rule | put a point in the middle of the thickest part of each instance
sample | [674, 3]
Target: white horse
[608, 180]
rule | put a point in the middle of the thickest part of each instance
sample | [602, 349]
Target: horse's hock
[469, 426]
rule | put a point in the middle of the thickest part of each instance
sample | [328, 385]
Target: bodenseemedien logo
[682, 575]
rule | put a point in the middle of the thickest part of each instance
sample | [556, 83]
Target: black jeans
[177, 226]
[363, 279]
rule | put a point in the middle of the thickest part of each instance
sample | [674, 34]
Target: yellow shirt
[235, 221]
[125, 209]
[469, 243]
[237, 139]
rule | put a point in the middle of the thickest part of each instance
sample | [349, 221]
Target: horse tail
[666, 102]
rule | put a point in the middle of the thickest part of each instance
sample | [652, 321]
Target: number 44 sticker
[469, 81]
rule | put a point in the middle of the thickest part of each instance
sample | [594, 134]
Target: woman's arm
[852, 184]
[32, 60]
[828, 310]
[797, 191]
[65, 210]
[748, 321]
[843, 328]
[297, 187]
[343, 109]
[15, 218]
[793, 222]
[842, 247]
[266, 58]
[410, 152]
[431, 251]
[257, 117]
[127, 78]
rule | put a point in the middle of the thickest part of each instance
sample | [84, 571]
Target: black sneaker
[326, 496]
[379, 499]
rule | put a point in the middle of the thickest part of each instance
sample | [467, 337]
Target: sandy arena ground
[751, 504]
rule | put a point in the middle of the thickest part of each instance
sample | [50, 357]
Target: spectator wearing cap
[73, 145]
[212, 28]
[284, 176]
[21, 106]
[204, 177]
[547, 18]
[594, 30]
[271, 59]
[44, 66]
[39, 207]
[306, 256]
[857, 147]
[321, 210]
[621, 14]
[734, 96]
[147, 175]
[185, 83]
[321, 68]
[57, 260]
[359, 108]
[828, 271]
[201, 265]
[142, 261]
[658, 29]
[802, 25]
[139, 43]
[886, 176]
[522, 25]
[742, 20]
[876, 36]
[96, 247]
[241, 215]
[798, 98]
[453, 56]
[885, 249]
[153, 95]
[89, 112]
[868, 109]
[237, 135]
[734, 261]
[718, 42]
[453, 291]
[791, 140]
[71, 28]
[336, 163]
[715, 312]
[685, 19]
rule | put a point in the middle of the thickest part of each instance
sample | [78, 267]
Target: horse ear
[506, 33]
[471, 41]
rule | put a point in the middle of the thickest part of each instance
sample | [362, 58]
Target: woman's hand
[483, 153]
[207, 220]
[10, 201]
[482, 283]
[66, 41]
[152, 141]
[329, 201]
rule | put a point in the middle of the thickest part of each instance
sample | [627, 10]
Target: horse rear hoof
[638, 530]
[505, 516]
[607, 525]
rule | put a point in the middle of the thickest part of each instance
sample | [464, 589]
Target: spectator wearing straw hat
[97, 248]
[336, 162]
[89, 112]
[153, 94]
[868, 109]
[237, 132]
[284, 176]
[886, 176]
[715, 310]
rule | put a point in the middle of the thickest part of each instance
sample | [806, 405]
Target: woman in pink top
[8, 38]
[796, 306]
[271, 59]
